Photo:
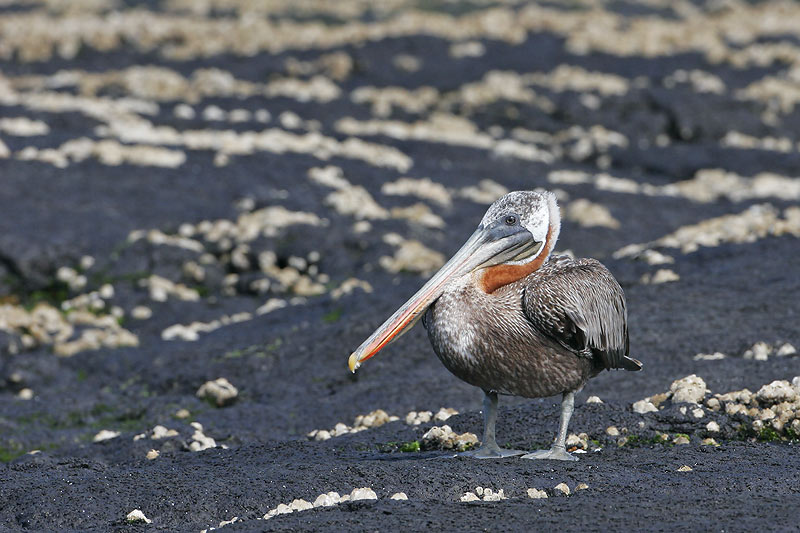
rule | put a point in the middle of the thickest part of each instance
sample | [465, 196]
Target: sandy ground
[245, 190]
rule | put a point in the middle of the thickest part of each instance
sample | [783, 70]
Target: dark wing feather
[581, 306]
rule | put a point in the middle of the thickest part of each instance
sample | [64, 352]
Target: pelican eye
[511, 220]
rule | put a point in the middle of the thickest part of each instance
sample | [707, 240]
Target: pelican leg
[489, 448]
[559, 449]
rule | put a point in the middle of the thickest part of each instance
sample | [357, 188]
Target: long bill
[483, 247]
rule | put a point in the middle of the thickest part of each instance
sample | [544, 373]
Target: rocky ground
[207, 205]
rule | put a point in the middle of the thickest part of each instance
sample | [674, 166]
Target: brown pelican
[505, 315]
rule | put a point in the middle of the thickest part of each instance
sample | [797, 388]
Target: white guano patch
[756, 222]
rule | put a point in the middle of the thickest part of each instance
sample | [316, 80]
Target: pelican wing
[581, 306]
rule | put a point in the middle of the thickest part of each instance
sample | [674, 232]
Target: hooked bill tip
[353, 362]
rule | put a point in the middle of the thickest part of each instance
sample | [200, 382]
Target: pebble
[490, 496]
[445, 438]
[322, 435]
[577, 441]
[594, 399]
[786, 349]
[399, 496]
[137, 516]
[105, 434]
[698, 412]
[152, 454]
[581, 486]
[444, 413]
[300, 505]
[327, 500]
[612, 431]
[685, 468]
[644, 406]
[759, 352]
[662, 275]
[141, 312]
[182, 413]
[282, 508]
[469, 497]
[364, 493]
[200, 441]
[709, 442]
[691, 389]
[713, 427]
[680, 439]
[415, 418]
[564, 488]
[536, 494]
[220, 391]
[160, 432]
[710, 356]
[776, 392]
[25, 394]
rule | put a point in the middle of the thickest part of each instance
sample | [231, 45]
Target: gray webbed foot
[554, 453]
[490, 452]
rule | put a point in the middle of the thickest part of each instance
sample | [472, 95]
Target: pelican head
[513, 239]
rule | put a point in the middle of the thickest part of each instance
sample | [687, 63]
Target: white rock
[685, 468]
[444, 413]
[152, 454]
[322, 435]
[399, 496]
[786, 349]
[141, 312]
[594, 399]
[664, 275]
[760, 351]
[612, 431]
[469, 497]
[226, 522]
[105, 434]
[200, 441]
[363, 493]
[536, 494]
[220, 391]
[776, 392]
[709, 356]
[698, 412]
[300, 505]
[713, 427]
[796, 382]
[563, 487]
[644, 406]
[25, 394]
[137, 516]
[327, 500]
[160, 432]
[490, 496]
[282, 508]
[691, 389]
